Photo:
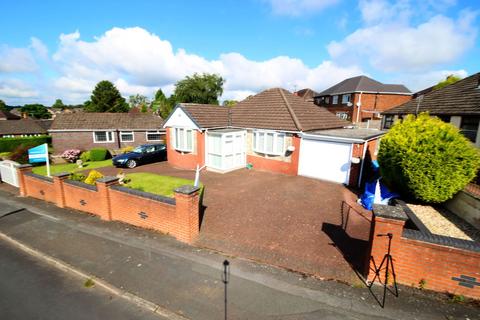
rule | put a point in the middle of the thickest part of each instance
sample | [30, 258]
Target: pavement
[186, 282]
[55, 295]
[289, 221]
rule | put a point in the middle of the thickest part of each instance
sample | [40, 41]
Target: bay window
[269, 142]
[183, 139]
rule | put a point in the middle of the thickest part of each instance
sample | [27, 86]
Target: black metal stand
[225, 280]
[387, 265]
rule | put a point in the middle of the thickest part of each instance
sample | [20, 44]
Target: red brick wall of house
[290, 168]
[83, 140]
[371, 102]
[417, 261]
[185, 160]
[181, 220]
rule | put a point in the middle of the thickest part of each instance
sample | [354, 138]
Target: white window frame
[346, 98]
[262, 149]
[334, 99]
[109, 134]
[186, 132]
[153, 132]
[127, 132]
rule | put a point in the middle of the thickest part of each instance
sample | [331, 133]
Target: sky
[60, 49]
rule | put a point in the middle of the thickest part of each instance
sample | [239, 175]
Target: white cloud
[394, 45]
[39, 48]
[14, 89]
[16, 60]
[140, 62]
[299, 7]
[420, 81]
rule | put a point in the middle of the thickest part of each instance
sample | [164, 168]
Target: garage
[326, 160]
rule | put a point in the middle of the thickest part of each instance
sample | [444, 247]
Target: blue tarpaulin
[376, 192]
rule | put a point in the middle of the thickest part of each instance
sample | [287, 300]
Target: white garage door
[325, 160]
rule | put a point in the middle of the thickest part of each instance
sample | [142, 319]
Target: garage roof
[353, 134]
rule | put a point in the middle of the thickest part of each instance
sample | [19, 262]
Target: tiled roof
[8, 115]
[279, 109]
[91, 121]
[306, 94]
[207, 115]
[22, 126]
[459, 98]
[364, 84]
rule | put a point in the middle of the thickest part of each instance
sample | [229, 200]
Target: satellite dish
[349, 104]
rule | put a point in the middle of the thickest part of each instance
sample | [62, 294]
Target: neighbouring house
[113, 131]
[274, 130]
[360, 99]
[6, 115]
[22, 128]
[54, 111]
[457, 103]
[307, 94]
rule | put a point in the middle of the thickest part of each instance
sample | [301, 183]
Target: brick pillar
[188, 212]
[386, 219]
[58, 187]
[21, 170]
[103, 185]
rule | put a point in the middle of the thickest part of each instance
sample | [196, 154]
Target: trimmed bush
[98, 154]
[93, 175]
[427, 159]
[9, 144]
[85, 156]
[77, 176]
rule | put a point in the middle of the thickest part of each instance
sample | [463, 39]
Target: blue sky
[60, 49]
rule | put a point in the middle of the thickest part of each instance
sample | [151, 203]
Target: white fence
[8, 172]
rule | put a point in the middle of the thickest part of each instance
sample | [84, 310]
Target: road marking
[155, 308]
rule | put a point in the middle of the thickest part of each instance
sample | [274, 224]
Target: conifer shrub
[98, 154]
[427, 159]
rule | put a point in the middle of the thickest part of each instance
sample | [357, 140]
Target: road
[31, 289]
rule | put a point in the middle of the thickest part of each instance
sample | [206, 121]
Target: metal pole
[48, 160]
[225, 279]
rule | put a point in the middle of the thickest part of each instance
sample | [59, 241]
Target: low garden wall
[178, 216]
[422, 259]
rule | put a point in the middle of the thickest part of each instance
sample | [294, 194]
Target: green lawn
[156, 184]
[71, 167]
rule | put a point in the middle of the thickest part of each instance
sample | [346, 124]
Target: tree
[3, 106]
[205, 88]
[59, 104]
[448, 80]
[427, 159]
[138, 100]
[37, 111]
[229, 103]
[106, 98]
[161, 105]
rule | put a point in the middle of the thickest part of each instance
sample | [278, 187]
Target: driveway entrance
[294, 222]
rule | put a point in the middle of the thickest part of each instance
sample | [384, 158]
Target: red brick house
[361, 98]
[15, 126]
[113, 131]
[274, 130]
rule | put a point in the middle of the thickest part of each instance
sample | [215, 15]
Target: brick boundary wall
[178, 216]
[440, 263]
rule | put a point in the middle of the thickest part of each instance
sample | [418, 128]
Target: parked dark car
[146, 153]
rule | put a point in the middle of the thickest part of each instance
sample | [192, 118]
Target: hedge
[9, 144]
[98, 154]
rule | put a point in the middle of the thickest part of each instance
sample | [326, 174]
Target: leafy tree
[205, 88]
[59, 104]
[138, 100]
[230, 103]
[3, 106]
[448, 80]
[106, 98]
[162, 105]
[427, 159]
[37, 111]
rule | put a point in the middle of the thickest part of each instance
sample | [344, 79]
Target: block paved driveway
[303, 224]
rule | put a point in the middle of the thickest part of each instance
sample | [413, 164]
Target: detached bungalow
[274, 130]
[109, 130]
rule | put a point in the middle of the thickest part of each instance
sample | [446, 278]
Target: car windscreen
[139, 149]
